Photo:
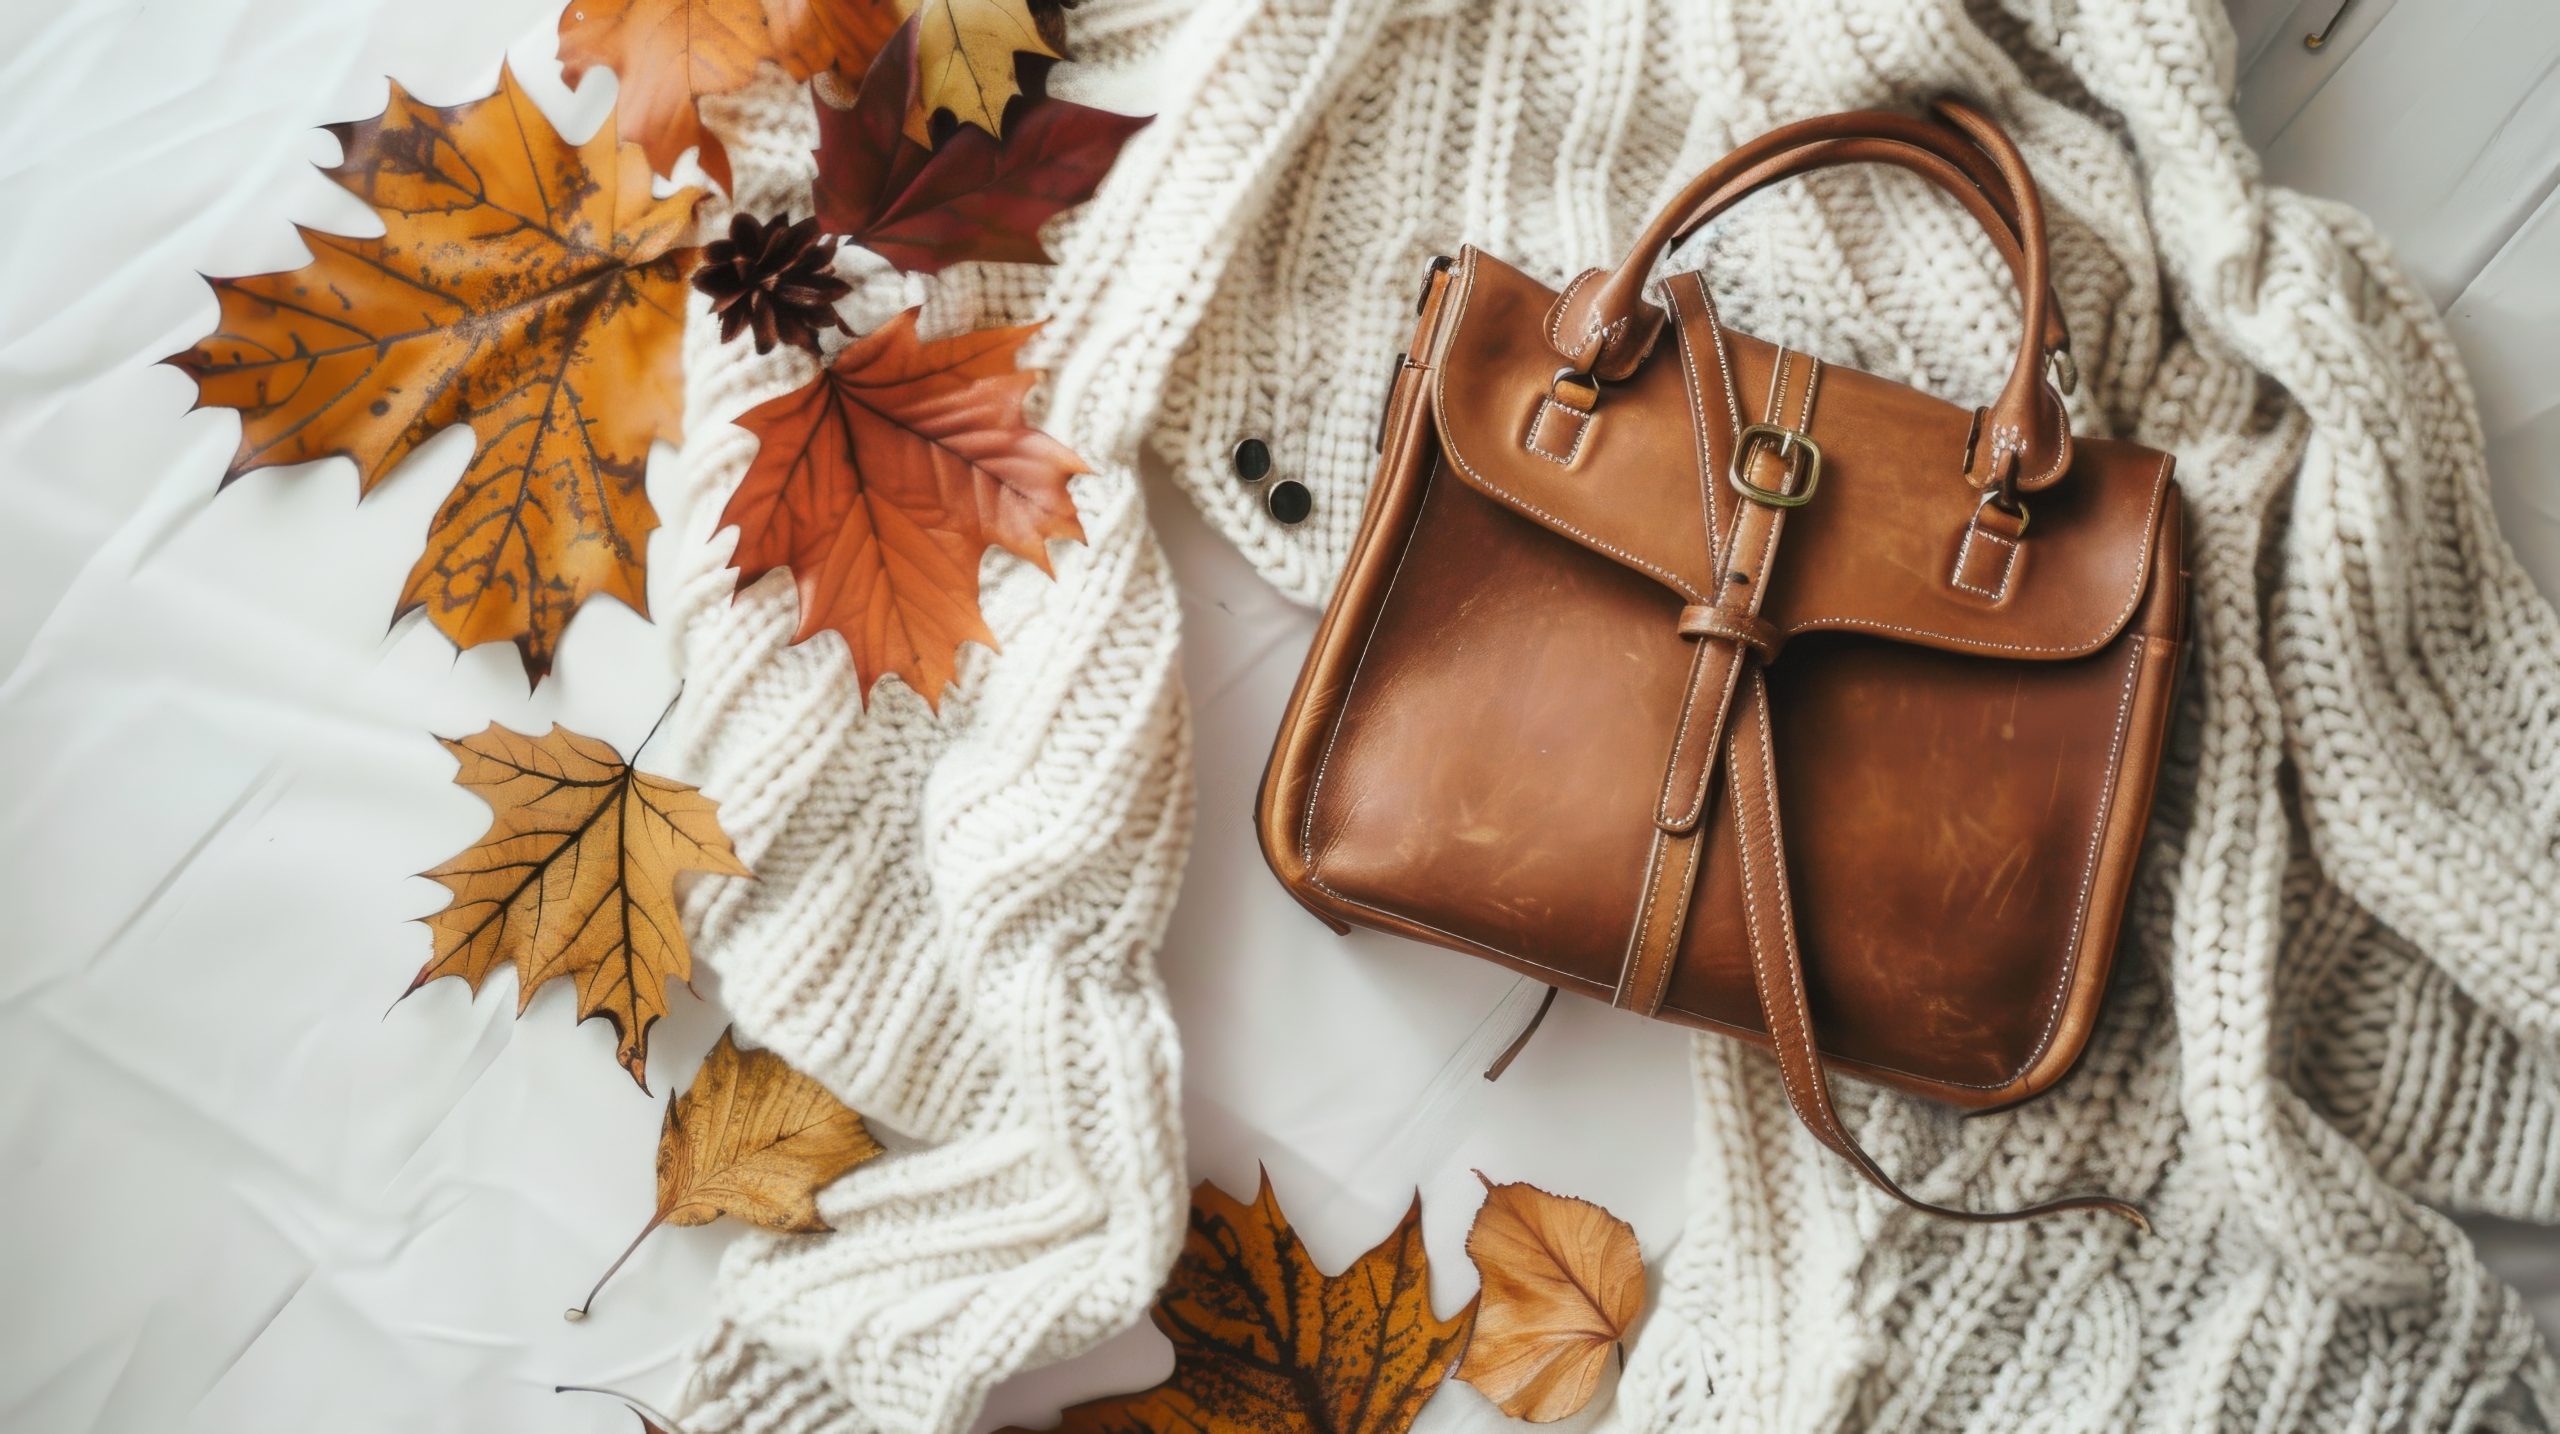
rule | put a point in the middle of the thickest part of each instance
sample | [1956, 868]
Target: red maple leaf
[882, 482]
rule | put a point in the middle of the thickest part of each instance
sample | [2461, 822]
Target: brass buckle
[1801, 452]
[2009, 503]
[1575, 389]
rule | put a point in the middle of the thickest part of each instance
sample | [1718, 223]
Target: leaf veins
[882, 483]
[753, 1139]
[527, 287]
[1263, 1341]
[669, 54]
[575, 878]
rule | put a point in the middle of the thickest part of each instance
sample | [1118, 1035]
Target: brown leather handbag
[1740, 689]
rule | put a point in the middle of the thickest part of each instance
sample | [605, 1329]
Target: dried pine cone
[774, 278]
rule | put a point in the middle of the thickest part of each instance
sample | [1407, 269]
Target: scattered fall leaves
[528, 287]
[1263, 1341]
[972, 196]
[533, 289]
[964, 61]
[1563, 1282]
[669, 54]
[882, 482]
[575, 877]
[750, 1138]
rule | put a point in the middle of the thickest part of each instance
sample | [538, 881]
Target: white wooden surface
[2441, 119]
[238, 1197]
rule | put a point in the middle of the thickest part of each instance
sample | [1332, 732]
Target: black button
[1253, 460]
[1289, 501]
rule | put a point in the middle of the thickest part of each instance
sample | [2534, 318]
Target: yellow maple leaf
[575, 878]
[964, 60]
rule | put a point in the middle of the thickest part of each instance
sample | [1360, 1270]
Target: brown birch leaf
[964, 61]
[882, 482]
[575, 878]
[753, 1139]
[1563, 1282]
[669, 54]
[528, 287]
[1263, 1341]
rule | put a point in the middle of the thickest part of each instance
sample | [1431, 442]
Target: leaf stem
[579, 1311]
[663, 714]
[648, 1415]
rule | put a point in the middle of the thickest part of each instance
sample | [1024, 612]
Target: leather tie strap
[1777, 970]
[1727, 710]
[1671, 874]
[1733, 625]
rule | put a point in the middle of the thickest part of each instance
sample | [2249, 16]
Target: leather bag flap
[1888, 545]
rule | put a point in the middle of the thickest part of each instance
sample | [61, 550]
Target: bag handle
[1983, 205]
[1602, 326]
[1938, 158]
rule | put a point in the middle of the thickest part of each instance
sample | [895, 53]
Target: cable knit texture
[2339, 1004]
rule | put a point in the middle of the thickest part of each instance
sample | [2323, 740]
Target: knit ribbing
[2334, 1006]
[953, 916]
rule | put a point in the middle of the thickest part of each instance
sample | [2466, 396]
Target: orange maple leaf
[668, 54]
[881, 484]
[528, 287]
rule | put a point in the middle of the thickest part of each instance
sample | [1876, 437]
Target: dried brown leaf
[1563, 1282]
[753, 1139]
[1264, 1342]
[971, 196]
[881, 484]
[669, 54]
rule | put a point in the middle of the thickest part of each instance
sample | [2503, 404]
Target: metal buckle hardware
[1575, 389]
[2006, 503]
[1801, 452]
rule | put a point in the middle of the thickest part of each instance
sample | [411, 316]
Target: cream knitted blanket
[2340, 1004]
